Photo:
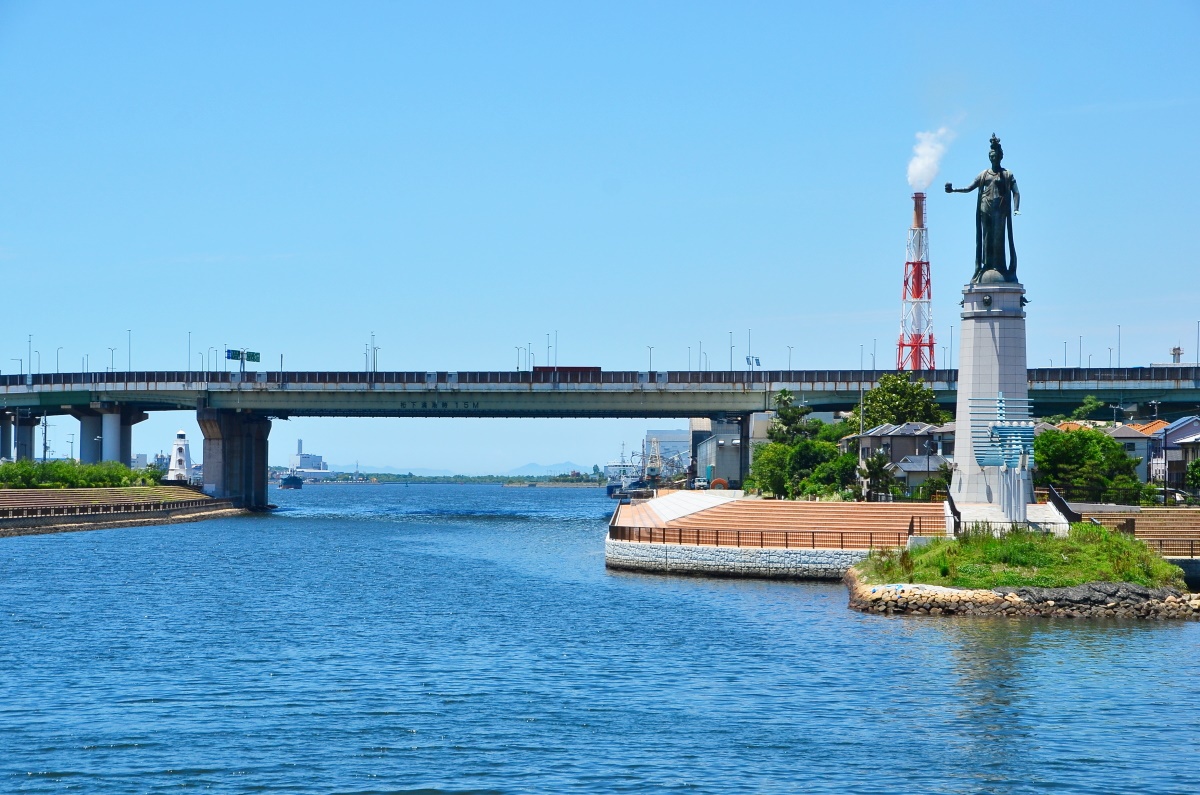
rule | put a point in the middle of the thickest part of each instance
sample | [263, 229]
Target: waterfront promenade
[721, 534]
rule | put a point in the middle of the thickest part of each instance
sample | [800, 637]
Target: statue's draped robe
[993, 224]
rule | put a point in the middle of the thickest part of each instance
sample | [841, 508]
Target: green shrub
[980, 558]
[27, 474]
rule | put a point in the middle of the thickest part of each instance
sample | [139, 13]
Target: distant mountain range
[522, 471]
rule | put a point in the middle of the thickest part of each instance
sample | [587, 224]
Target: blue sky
[464, 178]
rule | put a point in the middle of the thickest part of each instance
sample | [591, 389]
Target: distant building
[309, 466]
[139, 461]
[306, 461]
[718, 447]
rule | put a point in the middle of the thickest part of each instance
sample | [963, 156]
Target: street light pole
[860, 396]
[731, 351]
[789, 358]
[1118, 345]
[129, 349]
[56, 353]
[651, 347]
[112, 360]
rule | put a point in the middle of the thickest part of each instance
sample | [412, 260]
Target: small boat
[291, 481]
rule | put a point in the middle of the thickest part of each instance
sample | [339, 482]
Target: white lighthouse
[181, 459]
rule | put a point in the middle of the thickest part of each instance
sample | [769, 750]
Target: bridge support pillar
[90, 430]
[744, 443]
[26, 438]
[110, 445]
[108, 436]
[235, 456]
[6, 435]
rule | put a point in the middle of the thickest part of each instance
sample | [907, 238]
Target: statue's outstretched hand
[949, 188]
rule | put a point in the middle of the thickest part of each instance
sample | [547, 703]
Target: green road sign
[242, 356]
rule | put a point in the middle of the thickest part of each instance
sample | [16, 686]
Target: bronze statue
[998, 199]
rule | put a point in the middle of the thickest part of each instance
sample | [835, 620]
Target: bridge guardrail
[1182, 373]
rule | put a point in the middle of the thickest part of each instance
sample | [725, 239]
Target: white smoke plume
[927, 156]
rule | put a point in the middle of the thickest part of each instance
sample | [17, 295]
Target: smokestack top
[299, 447]
[918, 211]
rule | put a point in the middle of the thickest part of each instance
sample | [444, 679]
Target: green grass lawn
[979, 559]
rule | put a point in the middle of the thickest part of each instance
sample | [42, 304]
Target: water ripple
[458, 639]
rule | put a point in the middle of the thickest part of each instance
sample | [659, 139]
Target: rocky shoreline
[1091, 600]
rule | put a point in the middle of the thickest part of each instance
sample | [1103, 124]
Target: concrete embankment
[45, 525]
[38, 511]
[714, 561]
[1091, 600]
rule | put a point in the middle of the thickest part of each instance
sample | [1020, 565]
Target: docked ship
[622, 476]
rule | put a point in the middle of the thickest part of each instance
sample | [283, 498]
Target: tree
[1192, 477]
[1087, 464]
[933, 484]
[1091, 404]
[875, 471]
[790, 423]
[837, 474]
[769, 468]
[899, 399]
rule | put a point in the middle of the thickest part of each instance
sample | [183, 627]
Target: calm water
[468, 639]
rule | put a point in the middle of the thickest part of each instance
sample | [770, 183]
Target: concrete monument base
[991, 363]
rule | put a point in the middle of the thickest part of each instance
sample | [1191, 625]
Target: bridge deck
[576, 392]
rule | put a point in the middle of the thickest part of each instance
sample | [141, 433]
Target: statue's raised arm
[951, 189]
[998, 198]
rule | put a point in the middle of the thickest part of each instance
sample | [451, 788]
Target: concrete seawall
[68, 524]
[713, 561]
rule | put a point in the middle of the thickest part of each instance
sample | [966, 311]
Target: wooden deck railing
[1174, 547]
[782, 539]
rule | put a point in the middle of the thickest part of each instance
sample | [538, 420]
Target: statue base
[991, 361]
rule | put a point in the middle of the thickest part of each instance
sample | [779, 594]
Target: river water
[455, 639]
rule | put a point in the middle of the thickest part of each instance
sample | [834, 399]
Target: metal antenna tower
[915, 350]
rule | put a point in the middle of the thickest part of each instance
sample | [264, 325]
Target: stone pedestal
[991, 361]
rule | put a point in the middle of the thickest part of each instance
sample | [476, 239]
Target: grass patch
[980, 559]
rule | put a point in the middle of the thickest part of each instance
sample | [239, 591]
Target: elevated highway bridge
[235, 409]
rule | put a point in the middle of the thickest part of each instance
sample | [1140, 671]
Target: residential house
[1137, 445]
[1167, 462]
